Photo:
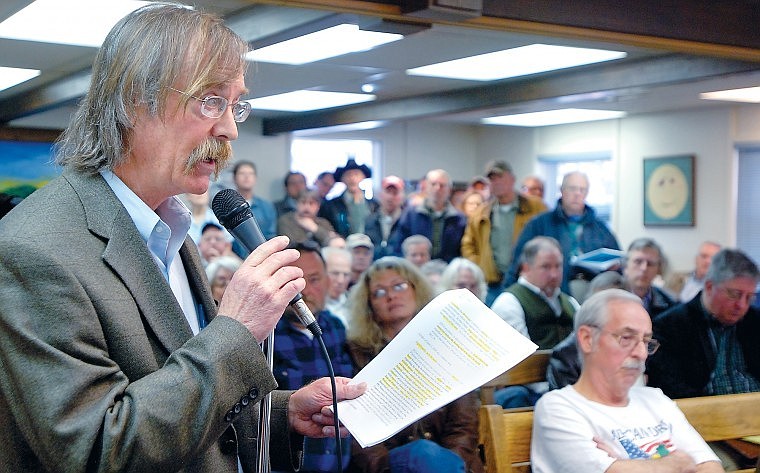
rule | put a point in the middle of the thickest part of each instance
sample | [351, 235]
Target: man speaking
[114, 355]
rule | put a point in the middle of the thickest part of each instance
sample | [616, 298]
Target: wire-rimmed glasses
[629, 340]
[213, 106]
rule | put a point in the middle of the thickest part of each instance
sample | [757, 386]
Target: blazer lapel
[128, 255]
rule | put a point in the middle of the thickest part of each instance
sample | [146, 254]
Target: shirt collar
[537, 289]
[164, 230]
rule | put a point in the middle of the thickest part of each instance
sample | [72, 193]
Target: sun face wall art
[669, 191]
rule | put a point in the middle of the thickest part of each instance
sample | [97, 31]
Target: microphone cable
[338, 440]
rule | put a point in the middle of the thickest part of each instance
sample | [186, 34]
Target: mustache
[635, 365]
[219, 151]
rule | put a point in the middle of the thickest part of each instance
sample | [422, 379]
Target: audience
[348, 212]
[565, 364]
[382, 224]
[361, 248]
[606, 422]
[303, 224]
[481, 185]
[338, 263]
[295, 184]
[200, 215]
[491, 232]
[433, 270]
[245, 176]
[462, 273]
[323, 184]
[298, 359]
[641, 265]
[695, 281]
[219, 273]
[214, 243]
[710, 344]
[384, 300]
[436, 219]
[337, 242]
[417, 249]
[471, 200]
[537, 308]
[533, 186]
[574, 225]
[535, 305]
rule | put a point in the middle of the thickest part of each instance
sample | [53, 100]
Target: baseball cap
[498, 168]
[356, 240]
[393, 181]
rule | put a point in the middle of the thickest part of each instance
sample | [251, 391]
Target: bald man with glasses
[607, 421]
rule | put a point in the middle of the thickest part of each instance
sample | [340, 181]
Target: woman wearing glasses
[387, 296]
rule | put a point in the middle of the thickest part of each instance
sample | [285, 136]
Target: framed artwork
[669, 191]
[26, 161]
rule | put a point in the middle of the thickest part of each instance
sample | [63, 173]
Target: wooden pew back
[531, 370]
[506, 433]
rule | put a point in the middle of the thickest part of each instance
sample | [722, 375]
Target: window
[747, 210]
[313, 156]
[599, 169]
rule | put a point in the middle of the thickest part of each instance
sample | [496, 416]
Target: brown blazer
[100, 371]
[476, 242]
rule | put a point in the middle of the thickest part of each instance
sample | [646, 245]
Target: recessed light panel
[748, 94]
[75, 22]
[10, 76]
[330, 42]
[553, 117]
[305, 100]
[515, 62]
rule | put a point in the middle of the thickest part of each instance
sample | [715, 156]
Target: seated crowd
[624, 342]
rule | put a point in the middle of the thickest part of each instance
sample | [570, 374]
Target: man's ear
[585, 338]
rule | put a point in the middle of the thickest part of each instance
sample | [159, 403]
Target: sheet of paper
[451, 347]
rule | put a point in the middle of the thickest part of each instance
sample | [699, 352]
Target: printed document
[451, 347]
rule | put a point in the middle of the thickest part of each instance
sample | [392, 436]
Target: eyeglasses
[396, 288]
[629, 340]
[213, 106]
[737, 295]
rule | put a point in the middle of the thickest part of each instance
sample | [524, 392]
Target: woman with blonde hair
[387, 296]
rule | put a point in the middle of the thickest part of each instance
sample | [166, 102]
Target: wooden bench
[531, 370]
[506, 433]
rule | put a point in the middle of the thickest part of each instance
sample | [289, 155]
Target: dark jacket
[454, 426]
[564, 365]
[555, 224]
[418, 221]
[335, 211]
[374, 230]
[682, 365]
[659, 302]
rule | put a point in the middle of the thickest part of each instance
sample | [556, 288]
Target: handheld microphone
[234, 213]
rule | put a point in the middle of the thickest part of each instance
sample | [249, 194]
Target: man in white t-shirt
[605, 422]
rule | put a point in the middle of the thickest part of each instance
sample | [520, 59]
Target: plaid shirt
[298, 361]
[730, 375]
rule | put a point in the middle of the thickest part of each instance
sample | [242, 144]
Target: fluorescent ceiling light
[553, 117]
[10, 76]
[521, 61]
[305, 100]
[748, 94]
[75, 22]
[330, 42]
